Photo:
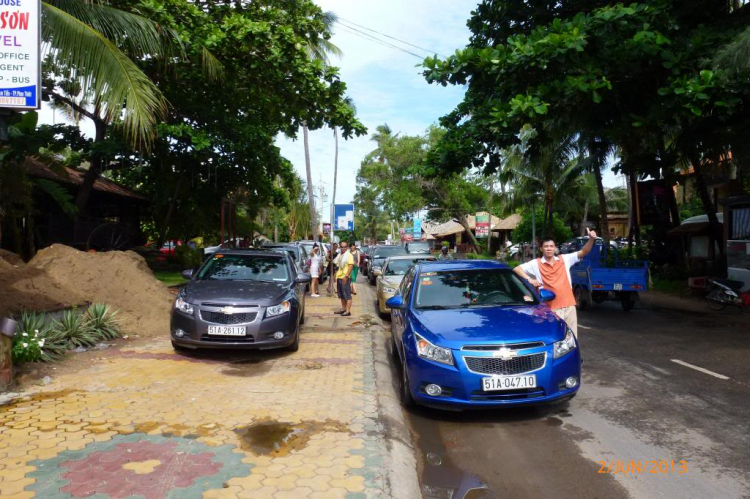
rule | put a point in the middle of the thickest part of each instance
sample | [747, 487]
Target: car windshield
[471, 288]
[262, 268]
[388, 251]
[399, 267]
[418, 247]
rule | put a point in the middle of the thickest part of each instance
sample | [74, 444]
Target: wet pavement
[641, 426]
[144, 421]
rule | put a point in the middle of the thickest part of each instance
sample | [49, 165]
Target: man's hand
[535, 283]
[590, 233]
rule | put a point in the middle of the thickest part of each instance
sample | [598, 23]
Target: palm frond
[212, 67]
[124, 92]
[60, 194]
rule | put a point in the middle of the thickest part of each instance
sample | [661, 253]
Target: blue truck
[595, 280]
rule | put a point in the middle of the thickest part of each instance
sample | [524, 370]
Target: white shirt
[532, 267]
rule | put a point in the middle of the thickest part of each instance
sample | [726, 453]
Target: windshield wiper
[432, 307]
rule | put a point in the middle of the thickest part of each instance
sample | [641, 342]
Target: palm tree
[318, 49]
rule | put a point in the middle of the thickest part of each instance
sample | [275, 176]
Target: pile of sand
[60, 276]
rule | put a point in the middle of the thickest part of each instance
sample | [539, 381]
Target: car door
[297, 288]
[398, 316]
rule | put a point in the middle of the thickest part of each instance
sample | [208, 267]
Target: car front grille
[512, 346]
[522, 393]
[519, 365]
[228, 319]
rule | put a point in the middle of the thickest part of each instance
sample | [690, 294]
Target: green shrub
[187, 257]
[513, 263]
[27, 343]
[103, 322]
[75, 329]
[445, 244]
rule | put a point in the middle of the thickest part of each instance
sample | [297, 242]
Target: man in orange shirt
[553, 273]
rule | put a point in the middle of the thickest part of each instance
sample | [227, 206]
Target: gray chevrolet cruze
[241, 299]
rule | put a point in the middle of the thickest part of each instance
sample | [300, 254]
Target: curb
[401, 465]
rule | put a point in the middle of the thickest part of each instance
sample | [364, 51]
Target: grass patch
[170, 277]
[671, 286]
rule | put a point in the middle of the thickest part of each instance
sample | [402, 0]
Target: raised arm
[520, 272]
[589, 245]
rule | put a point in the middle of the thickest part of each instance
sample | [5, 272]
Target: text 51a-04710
[652, 466]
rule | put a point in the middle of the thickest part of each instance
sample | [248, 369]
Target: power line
[391, 37]
[377, 40]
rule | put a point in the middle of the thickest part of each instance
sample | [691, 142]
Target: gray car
[241, 299]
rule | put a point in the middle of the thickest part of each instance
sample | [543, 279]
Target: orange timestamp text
[650, 466]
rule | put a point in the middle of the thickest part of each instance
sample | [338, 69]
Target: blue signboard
[417, 228]
[20, 59]
[343, 217]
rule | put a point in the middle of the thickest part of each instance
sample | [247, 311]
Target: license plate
[618, 287]
[227, 330]
[508, 382]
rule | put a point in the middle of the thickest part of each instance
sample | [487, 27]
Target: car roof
[442, 265]
[248, 251]
[416, 256]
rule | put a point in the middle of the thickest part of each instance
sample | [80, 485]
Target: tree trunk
[604, 223]
[713, 221]
[310, 194]
[335, 173]
[585, 220]
[170, 211]
[465, 224]
[92, 174]
[489, 215]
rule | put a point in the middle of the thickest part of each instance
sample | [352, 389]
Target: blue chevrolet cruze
[473, 334]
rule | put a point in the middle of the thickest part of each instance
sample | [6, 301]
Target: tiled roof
[71, 176]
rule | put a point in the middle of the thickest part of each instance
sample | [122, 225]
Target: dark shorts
[344, 289]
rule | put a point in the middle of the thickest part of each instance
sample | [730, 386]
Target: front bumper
[463, 388]
[259, 334]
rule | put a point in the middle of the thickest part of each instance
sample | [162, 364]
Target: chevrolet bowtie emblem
[505, 353]
[227, 310]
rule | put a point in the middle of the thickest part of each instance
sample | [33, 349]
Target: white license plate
[227, 330]
[618, 286]
[508, 382]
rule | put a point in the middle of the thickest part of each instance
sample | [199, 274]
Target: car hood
[236, 292]
[455, 328]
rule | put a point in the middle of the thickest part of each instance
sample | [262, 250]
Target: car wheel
[627, 301]
[294, 346]
[407, 400]
[582, 300]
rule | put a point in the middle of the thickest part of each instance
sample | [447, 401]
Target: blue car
[472, 334]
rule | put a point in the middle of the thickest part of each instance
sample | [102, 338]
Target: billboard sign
[20, 55]
[482, 227]
[343, 216]
[417, 230]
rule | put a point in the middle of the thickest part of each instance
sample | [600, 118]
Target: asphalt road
[635, 404]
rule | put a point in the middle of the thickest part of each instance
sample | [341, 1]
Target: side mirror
[188, 274]
[395, 302]
[303, 278]
[546, 295]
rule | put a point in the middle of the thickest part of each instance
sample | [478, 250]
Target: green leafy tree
[523, 232]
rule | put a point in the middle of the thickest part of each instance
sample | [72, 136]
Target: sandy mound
[71, 277]
[11, 258]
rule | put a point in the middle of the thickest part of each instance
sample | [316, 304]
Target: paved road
[635, 404]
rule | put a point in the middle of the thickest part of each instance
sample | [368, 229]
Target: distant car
[169, 247]
[417, 247]
[296, 250]
[473, 334]
[394, 270]
[377, 259]
[241, 299]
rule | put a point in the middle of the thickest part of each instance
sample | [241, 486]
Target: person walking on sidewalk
[344, 279]
[356, 254]
[553, 273]
[444, 254]
[315, 264]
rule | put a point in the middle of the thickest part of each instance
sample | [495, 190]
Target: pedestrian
[315, 260]
[444, 254]
[344, 279]
[553, 273]
[356, 255]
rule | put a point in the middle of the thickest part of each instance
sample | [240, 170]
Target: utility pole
[489, 213]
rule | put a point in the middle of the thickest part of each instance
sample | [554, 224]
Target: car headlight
[281, 308]
[388, 290]
[377, 268]
[429, 351]
[183, 306]
[565, 346]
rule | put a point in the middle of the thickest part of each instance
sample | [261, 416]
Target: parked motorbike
[723, 292]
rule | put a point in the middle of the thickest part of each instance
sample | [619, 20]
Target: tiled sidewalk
[144, 421]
